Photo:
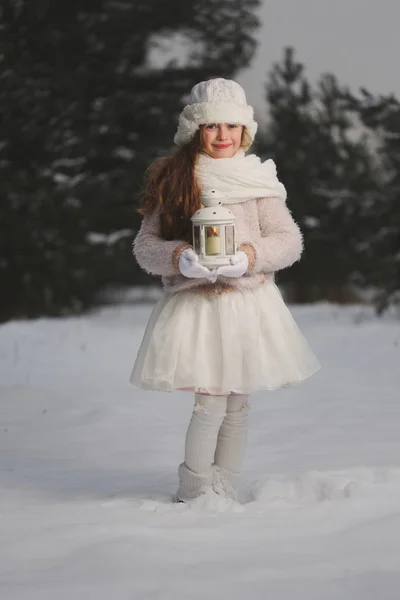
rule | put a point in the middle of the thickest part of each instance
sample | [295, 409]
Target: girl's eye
[232, 126]
[211, 126]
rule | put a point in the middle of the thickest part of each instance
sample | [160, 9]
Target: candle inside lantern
[213, 242]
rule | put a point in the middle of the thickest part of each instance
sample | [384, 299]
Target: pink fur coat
[265, 230]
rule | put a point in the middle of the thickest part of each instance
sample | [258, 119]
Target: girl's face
[222, 140]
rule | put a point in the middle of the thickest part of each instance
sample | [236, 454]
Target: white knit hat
[215, 101]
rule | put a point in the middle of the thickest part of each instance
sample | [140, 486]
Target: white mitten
[190, 267]
[237, 268]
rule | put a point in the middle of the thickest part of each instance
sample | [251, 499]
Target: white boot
[231, 446]
[196, 473]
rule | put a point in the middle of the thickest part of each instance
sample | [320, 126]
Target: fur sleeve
[281, 243]
[154, 254]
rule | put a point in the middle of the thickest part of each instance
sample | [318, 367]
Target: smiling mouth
[222, 146]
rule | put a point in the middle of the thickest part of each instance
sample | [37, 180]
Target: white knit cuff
[194, 115]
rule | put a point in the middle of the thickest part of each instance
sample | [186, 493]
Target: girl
[225, 333]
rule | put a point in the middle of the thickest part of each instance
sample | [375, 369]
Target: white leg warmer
[231, 446]
[196, 473]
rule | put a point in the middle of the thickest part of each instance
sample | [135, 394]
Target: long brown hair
[171, 190]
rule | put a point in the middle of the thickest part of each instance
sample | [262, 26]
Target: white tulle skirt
[236, 342]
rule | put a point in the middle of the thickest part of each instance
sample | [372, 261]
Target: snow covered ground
[88, 468]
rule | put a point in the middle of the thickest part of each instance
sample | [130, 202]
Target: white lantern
[214, 235]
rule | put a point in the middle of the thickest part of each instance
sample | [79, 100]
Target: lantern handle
[211, 198]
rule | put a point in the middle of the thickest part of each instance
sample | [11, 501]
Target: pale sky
[356, 40]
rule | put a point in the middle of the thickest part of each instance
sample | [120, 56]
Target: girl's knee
[210, 404]
[238, 403]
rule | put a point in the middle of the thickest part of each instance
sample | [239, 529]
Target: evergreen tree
[345, 182]
[382, 116]
[289, 139]
[85, 115]
[328, 172]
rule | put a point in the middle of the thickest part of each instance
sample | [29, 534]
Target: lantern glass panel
[230, 240]
[213, 241]
[196, 239]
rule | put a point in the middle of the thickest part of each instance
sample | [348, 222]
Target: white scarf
[239, 178]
